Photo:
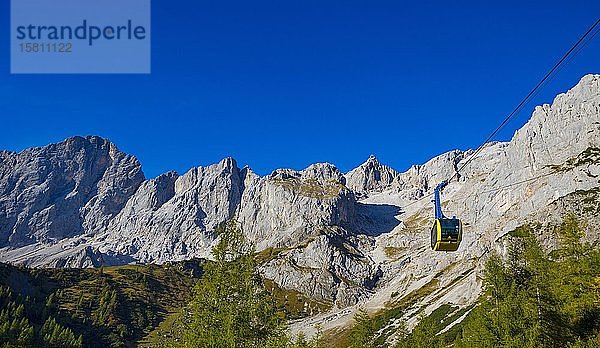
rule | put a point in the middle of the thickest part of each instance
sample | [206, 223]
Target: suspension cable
[534, 91]
[559, 65]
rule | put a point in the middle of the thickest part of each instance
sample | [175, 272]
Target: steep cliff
[347, 240]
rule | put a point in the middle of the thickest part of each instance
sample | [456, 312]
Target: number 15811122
[46, 47]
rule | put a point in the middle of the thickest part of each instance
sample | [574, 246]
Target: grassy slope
[114, 306]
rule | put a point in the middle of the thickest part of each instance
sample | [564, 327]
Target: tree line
[230, 307]
[532, 298]
[26, 322]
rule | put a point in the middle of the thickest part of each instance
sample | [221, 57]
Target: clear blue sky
[288, 83]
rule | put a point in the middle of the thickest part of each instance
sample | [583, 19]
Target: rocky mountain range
[344, 239]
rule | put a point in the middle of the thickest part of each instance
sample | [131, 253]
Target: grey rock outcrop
[548, 169]
[174, 217]
[371, 176]
[359, 239]
[63, 190]
[331, 267]
[287, 207]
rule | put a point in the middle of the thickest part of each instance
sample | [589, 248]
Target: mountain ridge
[344, 239]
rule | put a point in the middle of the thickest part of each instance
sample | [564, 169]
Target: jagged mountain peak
[64, 189]
[84, 197]
[81, 139]
[371, 160]
[318, 171]
[77, 148]
[248, 174]
[84, 142]
[228, 162]
[370, 176]
[324, 171]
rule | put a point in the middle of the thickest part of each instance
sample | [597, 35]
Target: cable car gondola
[446, 233]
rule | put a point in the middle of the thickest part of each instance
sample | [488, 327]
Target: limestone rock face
[422, 179]
[548, 169]
[354, 240]
[63, 190]
[173, 217]
[286, 207]
[332, 267]
[371, 176]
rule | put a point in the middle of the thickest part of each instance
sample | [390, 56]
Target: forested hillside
[220, 303]
[105, 307]
[532, 298]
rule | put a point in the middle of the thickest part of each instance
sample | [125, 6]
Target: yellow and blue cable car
[446, 233]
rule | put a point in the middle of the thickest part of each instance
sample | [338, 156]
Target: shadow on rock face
[377, 219]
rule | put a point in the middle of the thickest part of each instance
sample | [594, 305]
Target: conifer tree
[230, 308]
[363, 331]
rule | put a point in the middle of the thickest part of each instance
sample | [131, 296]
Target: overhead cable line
[518, 183]
[558, 66]
[491, 190]
[566, 57]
